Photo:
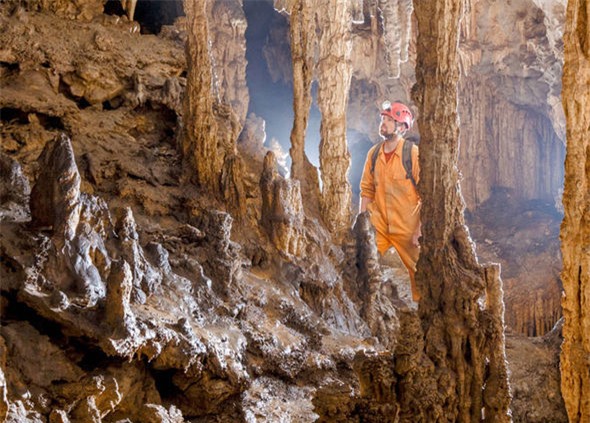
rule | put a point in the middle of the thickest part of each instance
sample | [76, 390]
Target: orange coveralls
[395, 209]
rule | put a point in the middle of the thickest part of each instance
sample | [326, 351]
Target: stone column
[216, 97]
[199, 145]
[397, 18]
[334, 75]
[461, 336]
[575, 229]
[302, 32]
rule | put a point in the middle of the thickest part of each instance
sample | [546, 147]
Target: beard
[386, 135]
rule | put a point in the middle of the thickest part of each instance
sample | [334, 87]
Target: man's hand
[364, 203]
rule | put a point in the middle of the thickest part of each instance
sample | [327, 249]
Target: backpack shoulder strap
[374, 156]
[407, 160]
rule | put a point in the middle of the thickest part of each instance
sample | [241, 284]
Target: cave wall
[575, 229]
[512, 131]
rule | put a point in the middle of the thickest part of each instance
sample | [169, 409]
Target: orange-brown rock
[334, 74]
[463, 338]
[302, 35]
[535, 377]
[200, 146]
[205, 321]
[211, 124]
[575, 229]
[77, 9]
[522, 236]
[228, 53]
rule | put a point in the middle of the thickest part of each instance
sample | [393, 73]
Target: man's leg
[408, 253]
[383, 242]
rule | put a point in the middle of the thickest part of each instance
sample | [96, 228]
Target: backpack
[406, 159]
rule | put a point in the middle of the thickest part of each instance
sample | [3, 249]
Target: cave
[150, 15]
[180, 236]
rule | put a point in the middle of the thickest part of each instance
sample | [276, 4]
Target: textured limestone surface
[575, 230]
[462, 309]
[534, 377]
[523, 237]
[147, 298]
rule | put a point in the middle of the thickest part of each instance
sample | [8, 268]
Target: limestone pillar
[199, 145]
[302, 34]
[463, 338]
[334, 75]
[575, 229]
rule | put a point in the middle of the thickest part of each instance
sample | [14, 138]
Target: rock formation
[282, 210]
[200, 144]
[334, 73]
[216, 96]
[575, 230]
[302, 35]
[162, 270]
[464, 339]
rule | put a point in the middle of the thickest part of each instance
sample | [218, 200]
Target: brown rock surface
[464, 339]
[334, 73]
[522, 236]
[302, 35]
[535, 377]
[228, 300]
[575, 230]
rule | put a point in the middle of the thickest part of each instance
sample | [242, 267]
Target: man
[389, 192]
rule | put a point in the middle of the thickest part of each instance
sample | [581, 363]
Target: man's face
[387, 127]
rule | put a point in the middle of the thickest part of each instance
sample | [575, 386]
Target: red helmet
[399, 112]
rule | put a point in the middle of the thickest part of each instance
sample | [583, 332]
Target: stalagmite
[232, 184]
[282, 210]
[463, 339]
[575, 229]
[334, 74]
[216, 97]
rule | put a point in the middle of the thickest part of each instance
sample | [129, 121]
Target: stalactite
[325, 25]
[228, 53]
[334, 75]
[200, 145]
[302, 32]
[575, 229]
[397, 18]
[457, 337]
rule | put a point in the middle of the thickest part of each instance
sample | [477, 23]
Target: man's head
[396, 119]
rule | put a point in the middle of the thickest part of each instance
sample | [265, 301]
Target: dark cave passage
[151, 15]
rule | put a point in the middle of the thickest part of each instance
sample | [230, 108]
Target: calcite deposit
[575, 230]
[157, 265]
